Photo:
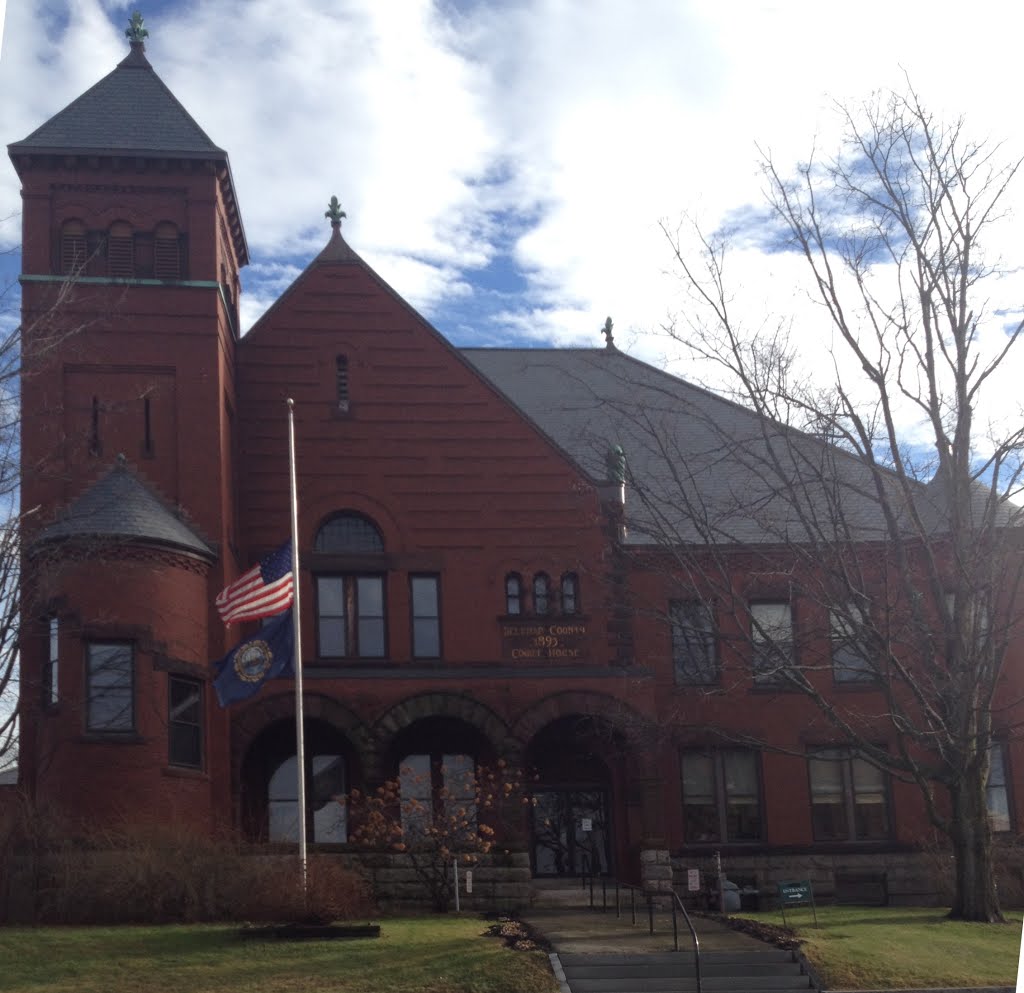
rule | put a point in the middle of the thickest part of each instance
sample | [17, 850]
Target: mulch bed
[515, 934]
[772, 934]
[311, 932]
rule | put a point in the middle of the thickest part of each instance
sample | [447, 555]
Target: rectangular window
[51, 692]
[850, 660]
[771, 635]
[109, 687]
[350, 616]
[424, 596]
[185, 721]
[721, 796]
[693, 642]
[849, 797]
[997, 797]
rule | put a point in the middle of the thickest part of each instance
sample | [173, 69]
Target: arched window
[325, 786]
[349, 534]
[120, 251]
[166, 251]
[570, 593]
[72, 247]
[513, 594]
[351, 620]
[541, 594]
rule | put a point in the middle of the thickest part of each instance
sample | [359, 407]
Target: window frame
[721, 796]
[196, 726]
[435, 579]
[352, 615]
[109, 728]
[291, 800]
[540, 593]
[513, 597]
[999, 748]
[858, 670]
[844, 758]
[569, 592]
[679, 642]
[51, 668]
[763, 646]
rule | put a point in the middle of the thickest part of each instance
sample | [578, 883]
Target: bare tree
[24, 343]
[877, 488]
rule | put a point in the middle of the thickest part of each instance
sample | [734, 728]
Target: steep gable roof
[120, 506]
[129, 111]
[708, 468]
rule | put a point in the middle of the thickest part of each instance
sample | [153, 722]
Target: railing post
[650, 912]
[632, 903]
[604, 894]
[675, 929]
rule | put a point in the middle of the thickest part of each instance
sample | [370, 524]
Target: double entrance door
[570, 831]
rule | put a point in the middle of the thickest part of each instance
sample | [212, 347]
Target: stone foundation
[500, 882]
[656, 871]
[921, 878]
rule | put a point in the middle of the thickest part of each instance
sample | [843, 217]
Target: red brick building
[477, 581]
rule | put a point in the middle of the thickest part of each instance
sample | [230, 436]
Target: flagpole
[300, 744]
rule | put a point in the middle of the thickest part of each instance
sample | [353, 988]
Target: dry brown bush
[146, 874]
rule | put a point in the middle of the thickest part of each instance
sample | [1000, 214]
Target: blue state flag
[262, 656]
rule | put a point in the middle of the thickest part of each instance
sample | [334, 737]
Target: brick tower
[132, 245]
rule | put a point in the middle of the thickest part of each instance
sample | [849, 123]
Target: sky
[508, 166]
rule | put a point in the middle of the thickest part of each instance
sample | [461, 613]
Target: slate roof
[120, 506]
[709, 469]
[130, 111]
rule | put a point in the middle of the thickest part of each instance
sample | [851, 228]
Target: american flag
[266, 589]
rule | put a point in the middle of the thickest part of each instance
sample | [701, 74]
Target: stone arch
[620, 716]
[268, 710]
[457, 706]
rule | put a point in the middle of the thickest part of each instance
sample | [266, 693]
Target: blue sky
[506, 164]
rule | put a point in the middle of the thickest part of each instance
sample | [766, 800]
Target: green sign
[790, 893]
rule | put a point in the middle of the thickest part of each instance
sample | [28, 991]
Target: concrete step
[768, 955]
[683, 966]
[772, 970]
[685, 984]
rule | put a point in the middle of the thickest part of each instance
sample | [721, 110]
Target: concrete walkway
[585, 931]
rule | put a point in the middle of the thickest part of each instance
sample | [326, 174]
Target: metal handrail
[676, 902]
[587, 878]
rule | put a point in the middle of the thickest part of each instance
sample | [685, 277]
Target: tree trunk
[975, 897]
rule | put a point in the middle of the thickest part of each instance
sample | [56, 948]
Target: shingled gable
[337, 251]
[130, 112]
[121, 507]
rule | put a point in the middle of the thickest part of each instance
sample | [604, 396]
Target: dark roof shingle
[131, 111]
[121, 507]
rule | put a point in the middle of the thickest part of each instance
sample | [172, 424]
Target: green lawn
[908, 947]
[413, 955]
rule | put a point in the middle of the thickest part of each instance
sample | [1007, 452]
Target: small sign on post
[469, 880]
[586, 823]
[793, 894]
[693, 880]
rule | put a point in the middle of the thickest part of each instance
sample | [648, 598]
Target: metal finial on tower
[335, 213]
[609, 341]
[136, 31]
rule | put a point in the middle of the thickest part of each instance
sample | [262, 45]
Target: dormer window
[166, 251]
[72, 248]
[121, 251]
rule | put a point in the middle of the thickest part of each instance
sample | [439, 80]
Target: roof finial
[136, 31]
[609, 341]
[335, 213]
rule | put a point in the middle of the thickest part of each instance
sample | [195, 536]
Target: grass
[904, 947]
[412, 955]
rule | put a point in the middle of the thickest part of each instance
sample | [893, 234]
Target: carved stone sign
[542, 640]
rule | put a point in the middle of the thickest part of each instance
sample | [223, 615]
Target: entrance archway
[575, 760]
